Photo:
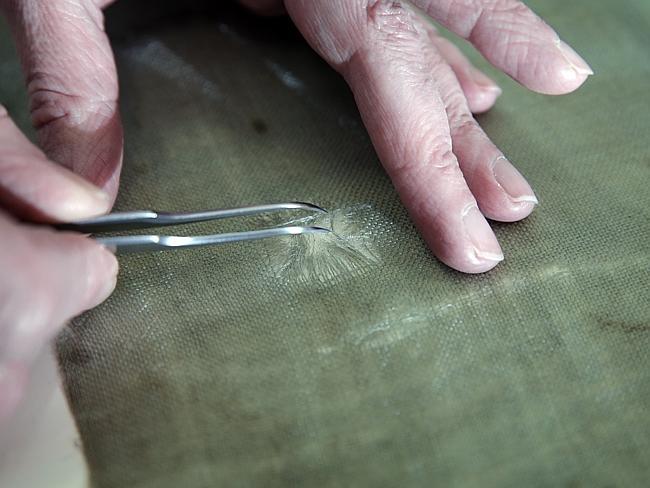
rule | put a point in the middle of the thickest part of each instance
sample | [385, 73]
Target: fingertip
[503, 193]
[467, 244]
[511, 213]
[564, 71]
[566, 80]
[102, 273]
[481, 98]
[573, 59]
[83, 200]
[484, 252]
[480, 91]
[38, 189]
[472, 261]
[481, 265]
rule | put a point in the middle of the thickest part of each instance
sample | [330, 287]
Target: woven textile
[363, 361]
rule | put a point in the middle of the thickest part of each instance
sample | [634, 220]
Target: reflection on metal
[141, 219]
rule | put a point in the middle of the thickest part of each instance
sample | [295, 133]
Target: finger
[34, 188]
[48, 278]
[391, 74]
[515, 40]
[501, 191]
[72, 84]
[103, 3]
[480, 91]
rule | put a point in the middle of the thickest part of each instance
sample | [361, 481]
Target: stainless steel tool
[141, 219]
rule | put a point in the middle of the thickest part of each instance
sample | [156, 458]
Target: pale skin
[415, 91]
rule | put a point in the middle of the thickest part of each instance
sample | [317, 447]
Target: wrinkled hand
[416, 93]
[47, 277]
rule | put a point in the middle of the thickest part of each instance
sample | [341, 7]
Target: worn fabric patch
[365, 362]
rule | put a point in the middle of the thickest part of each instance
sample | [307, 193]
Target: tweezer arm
[130, 244]
[143, 219]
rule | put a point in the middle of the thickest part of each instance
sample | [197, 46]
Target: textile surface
[361, 360]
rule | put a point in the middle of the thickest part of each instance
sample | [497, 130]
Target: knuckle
[446, 165]
[50, 103]
[438, 151]
[438, 154]
[426, 151]
[426, 140]
[393, 19]
[512, 9]
[464, 128]
[47, 107]
[452, 95]
[460, 116]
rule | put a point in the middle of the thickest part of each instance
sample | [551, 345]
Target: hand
[416, 94]
[48, 277]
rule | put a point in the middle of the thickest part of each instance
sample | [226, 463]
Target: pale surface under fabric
[40, 446]
[362, 361]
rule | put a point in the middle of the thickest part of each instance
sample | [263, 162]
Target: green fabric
[365, 362]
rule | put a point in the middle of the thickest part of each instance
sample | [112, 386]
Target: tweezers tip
[321, 230]
[310, 206]
[306, 230]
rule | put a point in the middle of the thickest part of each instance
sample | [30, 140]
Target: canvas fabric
[362, 360]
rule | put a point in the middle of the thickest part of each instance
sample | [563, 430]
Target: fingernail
[485, 83]
[512, 182]
[485, 244]
[83, 200]
[576, 63]
[102, 277]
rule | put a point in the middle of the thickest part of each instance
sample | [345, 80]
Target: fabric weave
[364, 361]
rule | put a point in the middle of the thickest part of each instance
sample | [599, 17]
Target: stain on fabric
[259, 126]
[78, 356]
[155, 55]
[395, 326]
[625, 327]
[288, 79]
[326, 258]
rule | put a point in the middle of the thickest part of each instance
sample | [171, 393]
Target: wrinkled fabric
[361, 360]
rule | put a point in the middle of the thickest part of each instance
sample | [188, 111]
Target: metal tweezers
[141, 219]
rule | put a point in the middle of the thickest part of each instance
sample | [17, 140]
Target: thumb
[34, 188]
[72, 84]
[48, 278]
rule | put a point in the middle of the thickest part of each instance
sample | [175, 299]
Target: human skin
[415, 91]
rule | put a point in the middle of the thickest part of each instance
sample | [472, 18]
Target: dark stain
[259, 126]
[77, 356]
[625, 327]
